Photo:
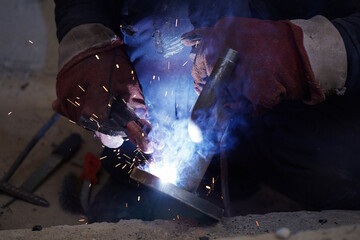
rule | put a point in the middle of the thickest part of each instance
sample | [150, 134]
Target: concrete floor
[27, 89]
[28, 67]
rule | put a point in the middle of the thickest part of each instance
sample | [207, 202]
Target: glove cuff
[326, 52]
[81, 38]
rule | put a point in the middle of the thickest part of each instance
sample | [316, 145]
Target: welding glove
[273, 60]
[97, 88]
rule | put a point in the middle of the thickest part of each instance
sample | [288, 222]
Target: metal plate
[178, 193]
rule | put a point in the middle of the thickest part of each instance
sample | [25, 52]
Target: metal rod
[30, 145]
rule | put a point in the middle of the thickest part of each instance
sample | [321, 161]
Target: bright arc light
[194, 132]
[166, 173]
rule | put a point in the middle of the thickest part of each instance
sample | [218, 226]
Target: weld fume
[177, 154]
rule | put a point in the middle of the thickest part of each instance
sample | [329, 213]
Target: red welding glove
[93, 87]
[272, 65]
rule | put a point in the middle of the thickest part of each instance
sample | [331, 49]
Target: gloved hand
[272, 65]
[99, 90]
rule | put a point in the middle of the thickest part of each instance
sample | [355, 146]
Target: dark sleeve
[303, 9]
[349, 28]
[72, 13]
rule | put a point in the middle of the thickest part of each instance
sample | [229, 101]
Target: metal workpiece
[207, 113]
[178, 193]
[209, 120]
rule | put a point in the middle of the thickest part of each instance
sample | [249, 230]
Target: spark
[90, 185]
[257, 223]
[82, 220]
[124, 166]
[178, 217]
[132, 72]
[138, 198]
[192, 106]
[127, 156]
[130, 171]
[117, 165]
[185, 63]
[31, 42]
[131, 165]
[176, 22]
[134, 95]
[154, 77]
[77, 103]
[128, 162]
[126, 205]
[97, 57]
[72, 121]
[77, 98]
[9, 113]
[133, 78]
[94, 120]
[197, 43]
[95, 115]
[103, 157]
[71, 102]
[159, 78]
[142, 155]
[208, 187]
[124, 101]
[109, 105]
[105, 89]
[117, 65]
[165, 93]
[81, 88]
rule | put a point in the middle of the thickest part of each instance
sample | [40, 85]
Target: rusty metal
[23, 194]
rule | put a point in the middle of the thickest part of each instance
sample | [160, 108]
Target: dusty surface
[27, 89]
[230, 228]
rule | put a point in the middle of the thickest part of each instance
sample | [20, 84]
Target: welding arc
[178, 193]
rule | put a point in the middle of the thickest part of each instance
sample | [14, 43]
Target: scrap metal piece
[178, 193]
[23, 194]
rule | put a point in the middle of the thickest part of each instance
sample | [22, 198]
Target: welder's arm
[96, 86]
[349, 28]
[293, 60]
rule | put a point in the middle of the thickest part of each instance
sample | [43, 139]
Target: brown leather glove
[272, 65]
[99, 90]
